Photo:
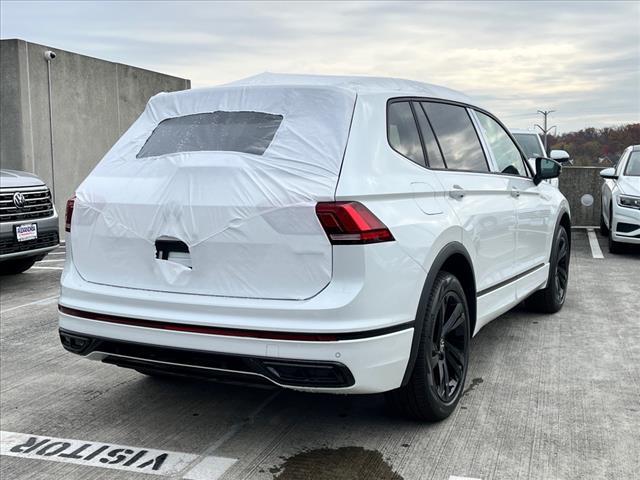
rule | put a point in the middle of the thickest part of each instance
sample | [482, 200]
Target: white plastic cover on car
[238, 214]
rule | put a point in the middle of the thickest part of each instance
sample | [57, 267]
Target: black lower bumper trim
[293, 373]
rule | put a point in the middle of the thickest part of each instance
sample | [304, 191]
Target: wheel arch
[564, 220]
[454, 259]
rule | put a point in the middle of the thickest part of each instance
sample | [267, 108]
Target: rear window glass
[457, 137]
[244, 132]
[434, 157]
[403, 132]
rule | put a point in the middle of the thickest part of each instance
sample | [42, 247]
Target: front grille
[37, 204]
[11, 245]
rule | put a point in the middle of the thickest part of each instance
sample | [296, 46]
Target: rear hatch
[213, 192]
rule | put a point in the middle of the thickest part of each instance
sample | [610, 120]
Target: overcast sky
[579, 58]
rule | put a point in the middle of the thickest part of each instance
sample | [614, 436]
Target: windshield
[633, 165]
[530, 143]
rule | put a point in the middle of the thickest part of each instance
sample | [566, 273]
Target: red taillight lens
[348, 223]
[69, 214]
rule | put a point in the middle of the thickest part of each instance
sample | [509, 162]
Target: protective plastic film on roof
[213, 192]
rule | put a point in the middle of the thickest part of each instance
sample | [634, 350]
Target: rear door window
[434, 156]
[244, 132]
[457, 137]
[403, 132]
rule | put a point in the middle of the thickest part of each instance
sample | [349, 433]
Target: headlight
[629, 201]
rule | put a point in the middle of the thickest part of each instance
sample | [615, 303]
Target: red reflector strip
[181, 327]
[351, 223]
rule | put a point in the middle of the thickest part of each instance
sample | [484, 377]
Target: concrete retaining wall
[575, 183]
[93, 102]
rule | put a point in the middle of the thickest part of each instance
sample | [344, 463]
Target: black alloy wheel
[561, 275]
[437, 379]
[448, 345]
[551, 298]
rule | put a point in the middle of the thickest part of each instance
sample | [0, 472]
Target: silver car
[28, 221]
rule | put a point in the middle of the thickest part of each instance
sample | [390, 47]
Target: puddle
[474, 383]
[346, 463]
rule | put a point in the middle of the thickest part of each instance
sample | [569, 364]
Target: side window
[457, 137]
[505, 152]
[403, 132]
[434, 157]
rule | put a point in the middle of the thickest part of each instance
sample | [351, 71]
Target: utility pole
[545, 130]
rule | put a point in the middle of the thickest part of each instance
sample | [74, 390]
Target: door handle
[515, 192]
[457, 192]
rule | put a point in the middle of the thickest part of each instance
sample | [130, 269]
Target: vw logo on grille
[18, 199]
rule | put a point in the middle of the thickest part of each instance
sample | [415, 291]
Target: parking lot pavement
[546, 397]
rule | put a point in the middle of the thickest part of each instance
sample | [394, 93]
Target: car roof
[392, 87]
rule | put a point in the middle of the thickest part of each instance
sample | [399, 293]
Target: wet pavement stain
[346, 463]
[474, 383]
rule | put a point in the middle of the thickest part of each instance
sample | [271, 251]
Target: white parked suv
[329, 234]
[620, 214]
[532, 146]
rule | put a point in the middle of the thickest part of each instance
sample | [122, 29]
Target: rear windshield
[244, 132]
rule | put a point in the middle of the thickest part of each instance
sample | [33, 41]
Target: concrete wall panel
[93, 103]
[575, 183]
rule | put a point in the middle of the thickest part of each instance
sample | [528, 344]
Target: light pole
[545, 130]
[48, 56]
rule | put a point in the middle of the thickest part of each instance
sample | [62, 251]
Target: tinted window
[633, 165]
[403, 133]
[530, 143]
[245, 132]
[456, 136]
[505, 152]
[434, 157]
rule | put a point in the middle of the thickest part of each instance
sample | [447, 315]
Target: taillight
[69, 214]
[351, 223]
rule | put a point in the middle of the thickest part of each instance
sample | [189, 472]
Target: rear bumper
[362, 365]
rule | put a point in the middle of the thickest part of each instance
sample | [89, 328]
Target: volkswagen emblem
[18, 199]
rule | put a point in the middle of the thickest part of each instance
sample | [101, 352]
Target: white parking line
[47, 268]
[51, 261]
[105, 455]
[37, 302]
[593, 242]
[57, 253]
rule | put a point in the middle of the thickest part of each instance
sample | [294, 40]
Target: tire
[604, 230]
[437, 380]
[20, 265]
[551, 299]
[614, 247]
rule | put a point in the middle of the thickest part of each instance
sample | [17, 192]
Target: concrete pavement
[547, 397]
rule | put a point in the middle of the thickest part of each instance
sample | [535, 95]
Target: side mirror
[546, 168]
[561, 156]
[609, 174]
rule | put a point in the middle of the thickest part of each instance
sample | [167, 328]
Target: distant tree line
[597, 146]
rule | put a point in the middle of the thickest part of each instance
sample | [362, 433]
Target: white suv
[620, 214]
[532, 146]
[329, 234]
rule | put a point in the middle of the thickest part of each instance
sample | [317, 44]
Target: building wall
[93, 101]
